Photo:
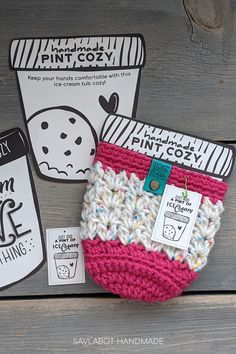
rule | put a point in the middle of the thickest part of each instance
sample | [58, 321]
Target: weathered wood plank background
[205, 324]
[188, 83]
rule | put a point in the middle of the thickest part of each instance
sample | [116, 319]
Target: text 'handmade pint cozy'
[152, 208]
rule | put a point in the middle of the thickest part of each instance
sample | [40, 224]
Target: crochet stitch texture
[118, 218]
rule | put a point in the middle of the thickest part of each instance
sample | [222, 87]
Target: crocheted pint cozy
[118, 218]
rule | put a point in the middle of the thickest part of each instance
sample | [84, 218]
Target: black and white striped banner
[193, 152]
[96, 52]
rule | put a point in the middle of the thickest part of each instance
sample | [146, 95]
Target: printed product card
[21, 239]
[199, 154]
[176, 217]
[65, 256]
[68, 87]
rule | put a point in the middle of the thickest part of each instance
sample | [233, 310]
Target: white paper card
[176, 217]
[68, 87]
[65, 256]
[22, 250]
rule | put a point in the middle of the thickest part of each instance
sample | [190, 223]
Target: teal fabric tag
[157, 177]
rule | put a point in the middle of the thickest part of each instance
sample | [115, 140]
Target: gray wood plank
[210, 15]
[190, 324]
[185, 85]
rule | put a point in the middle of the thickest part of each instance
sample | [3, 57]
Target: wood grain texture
[212, 24]
[185, 85]
[190, 324]
[208, 14]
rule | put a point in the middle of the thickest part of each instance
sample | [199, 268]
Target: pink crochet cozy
[118, 218]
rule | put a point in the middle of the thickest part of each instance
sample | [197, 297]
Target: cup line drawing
[66, 264]
[41, 65]
[174, 225]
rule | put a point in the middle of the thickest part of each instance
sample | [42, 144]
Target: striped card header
[182, 149]
[80, 53]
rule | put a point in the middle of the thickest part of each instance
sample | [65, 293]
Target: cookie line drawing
[174, 225]
[59, 135]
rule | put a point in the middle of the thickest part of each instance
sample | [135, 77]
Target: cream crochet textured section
[117, 207]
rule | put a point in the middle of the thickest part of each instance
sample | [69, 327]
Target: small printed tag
[65, 256]
[157, 177]
[176, 217]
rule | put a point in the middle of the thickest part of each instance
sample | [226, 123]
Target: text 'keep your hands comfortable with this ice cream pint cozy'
[152, 207]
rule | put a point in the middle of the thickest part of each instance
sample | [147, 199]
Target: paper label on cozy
[202, 155]
[176, 217]
[65, 256]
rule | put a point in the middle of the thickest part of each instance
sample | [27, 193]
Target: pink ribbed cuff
[120, 159]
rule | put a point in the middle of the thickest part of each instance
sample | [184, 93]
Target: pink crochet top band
[119, 159]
